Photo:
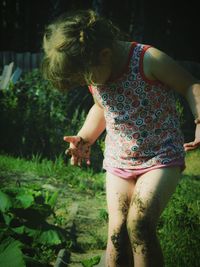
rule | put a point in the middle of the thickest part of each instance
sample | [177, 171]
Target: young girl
[132, 85]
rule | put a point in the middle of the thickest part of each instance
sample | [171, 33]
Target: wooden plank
[34, 61]
[1, 60]
[6, 57]
[12, 57]
[39, 59]
[7, 72]
[27, 61]
[5, 68]
[19, 60]
[16, 75]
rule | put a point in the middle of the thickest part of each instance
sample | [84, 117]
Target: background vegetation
[35, 117]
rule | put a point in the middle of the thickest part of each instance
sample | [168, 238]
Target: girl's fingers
[72, 139]
[88, 161]
[77, 154]
[71, 151]
[74, 160]
[68, 152]
[191, 145]
[79, 162]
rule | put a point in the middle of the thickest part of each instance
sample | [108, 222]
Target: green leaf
[51, 200]
[26, 200]
[31, 232]
[8, 218]
[91, 262]
[18, 230]
[49, 237]
[11, 254]
[5, 202]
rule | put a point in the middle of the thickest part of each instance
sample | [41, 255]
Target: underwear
[135, 173]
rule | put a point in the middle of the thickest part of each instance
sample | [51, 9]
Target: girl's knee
[141, 228]
[118, 235]
[142, 233]
[141, 221]
[117, 227]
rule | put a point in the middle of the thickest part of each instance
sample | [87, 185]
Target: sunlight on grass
[44, 167]
[82, 179]
[193, 163]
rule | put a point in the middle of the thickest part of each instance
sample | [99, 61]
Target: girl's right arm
[94, 124]
[92, 128]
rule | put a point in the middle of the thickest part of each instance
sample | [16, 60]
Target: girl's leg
[119, 192]
[151, 194]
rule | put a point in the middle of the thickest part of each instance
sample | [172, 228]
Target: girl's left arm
[159, 66]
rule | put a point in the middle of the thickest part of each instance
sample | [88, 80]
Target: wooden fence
[25, 61]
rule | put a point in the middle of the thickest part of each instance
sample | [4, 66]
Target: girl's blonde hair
[72, 44]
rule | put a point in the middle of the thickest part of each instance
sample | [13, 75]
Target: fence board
[5, 78]
[25, 61]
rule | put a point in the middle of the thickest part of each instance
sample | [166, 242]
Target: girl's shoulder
[143, 53]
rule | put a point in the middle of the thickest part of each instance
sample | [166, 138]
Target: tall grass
[81, 179]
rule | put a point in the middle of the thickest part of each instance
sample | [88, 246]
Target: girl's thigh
[118, 192]
[153, 190]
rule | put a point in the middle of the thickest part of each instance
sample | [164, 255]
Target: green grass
[193, 163]
[178, 228]
[61, 170]
[81, 179]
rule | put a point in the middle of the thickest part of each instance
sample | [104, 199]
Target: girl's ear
[105, 56]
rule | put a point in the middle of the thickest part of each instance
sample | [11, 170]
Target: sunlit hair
[72, 44]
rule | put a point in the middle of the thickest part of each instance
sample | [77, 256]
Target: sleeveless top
[142, 123]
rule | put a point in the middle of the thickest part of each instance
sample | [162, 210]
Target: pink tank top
[142, 124]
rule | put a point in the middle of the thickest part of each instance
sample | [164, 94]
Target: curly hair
[72, 44]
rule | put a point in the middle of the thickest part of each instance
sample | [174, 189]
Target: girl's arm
[159, 66]
[92, 128]
[94, 124]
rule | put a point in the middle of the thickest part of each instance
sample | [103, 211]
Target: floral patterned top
[142, 124]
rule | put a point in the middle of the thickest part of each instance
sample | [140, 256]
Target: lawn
[77, 201]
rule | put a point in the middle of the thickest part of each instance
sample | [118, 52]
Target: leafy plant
[91, 262]
[35, 117]
[11, 254]
[23, 217]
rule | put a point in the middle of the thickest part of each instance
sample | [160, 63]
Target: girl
[132, 85]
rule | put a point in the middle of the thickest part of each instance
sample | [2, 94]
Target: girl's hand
[196, 142]
[79, 150]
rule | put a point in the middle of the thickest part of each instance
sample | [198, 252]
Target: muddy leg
[151, 194]
[119, 252]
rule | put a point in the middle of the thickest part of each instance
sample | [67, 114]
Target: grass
[81, 179]
[60, 170]
[193, 163]
[183, 208]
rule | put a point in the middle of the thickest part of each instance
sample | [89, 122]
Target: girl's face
[99, 74]
[102, 72]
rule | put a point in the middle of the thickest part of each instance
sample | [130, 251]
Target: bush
[179, 229]
[35, 117]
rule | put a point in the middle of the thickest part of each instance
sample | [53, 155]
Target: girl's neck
[121, 51]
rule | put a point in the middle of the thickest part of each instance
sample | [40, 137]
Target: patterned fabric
[142, 123]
